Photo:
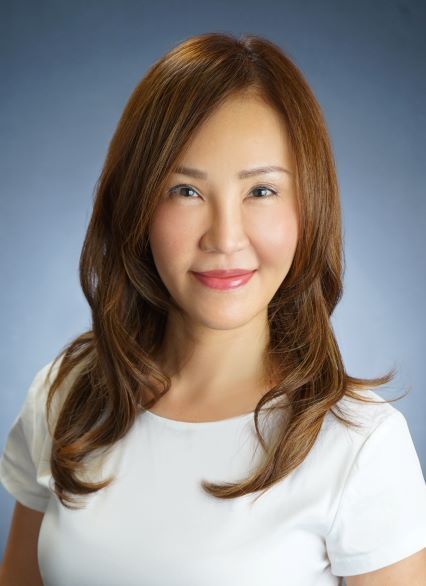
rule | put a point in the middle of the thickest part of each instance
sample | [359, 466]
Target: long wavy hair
[115, 373]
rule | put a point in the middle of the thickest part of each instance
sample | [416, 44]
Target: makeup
[224, 283]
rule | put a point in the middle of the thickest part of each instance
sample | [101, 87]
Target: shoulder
[367, 414]
[374, 423]
[33, 412]
[42, 379]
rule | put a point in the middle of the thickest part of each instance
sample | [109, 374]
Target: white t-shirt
[356, 503]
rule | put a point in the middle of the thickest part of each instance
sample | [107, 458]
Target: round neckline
[196, 424]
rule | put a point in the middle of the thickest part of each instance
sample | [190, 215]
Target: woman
[205, 431]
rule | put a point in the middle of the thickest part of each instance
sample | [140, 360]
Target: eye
[260, 187]
[177, 188]
[173, 190]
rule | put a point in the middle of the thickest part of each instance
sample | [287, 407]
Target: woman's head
[209, 82]
[221, 105]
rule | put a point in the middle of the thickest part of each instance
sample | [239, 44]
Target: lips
[224, 273]
[224, 282]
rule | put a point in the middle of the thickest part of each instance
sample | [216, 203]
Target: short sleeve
[381, 517]
[24, 463]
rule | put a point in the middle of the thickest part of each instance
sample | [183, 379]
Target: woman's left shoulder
[367, 413]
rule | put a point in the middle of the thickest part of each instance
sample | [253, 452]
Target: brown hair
[116, 375]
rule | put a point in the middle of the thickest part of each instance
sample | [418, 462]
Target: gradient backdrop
[67, 70]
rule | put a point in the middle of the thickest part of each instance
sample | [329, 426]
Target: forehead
[242, 132]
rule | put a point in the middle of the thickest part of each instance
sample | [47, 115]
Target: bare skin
[20, 565]
[213, 349]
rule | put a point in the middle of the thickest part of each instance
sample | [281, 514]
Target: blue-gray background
[67, 70]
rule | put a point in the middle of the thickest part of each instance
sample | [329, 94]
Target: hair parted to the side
[116, 375]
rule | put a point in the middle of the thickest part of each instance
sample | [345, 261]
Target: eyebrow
[197, 174]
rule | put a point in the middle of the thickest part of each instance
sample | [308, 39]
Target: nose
[226, 229]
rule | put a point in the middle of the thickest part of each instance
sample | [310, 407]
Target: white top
[357, 503]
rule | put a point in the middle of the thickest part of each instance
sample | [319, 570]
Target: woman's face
[215, 219]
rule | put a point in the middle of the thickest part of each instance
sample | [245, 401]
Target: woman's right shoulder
[35, 402]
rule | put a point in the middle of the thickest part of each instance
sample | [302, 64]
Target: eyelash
[273, 192]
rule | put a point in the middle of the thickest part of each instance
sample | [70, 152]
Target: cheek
[276, 239]
[170, 234]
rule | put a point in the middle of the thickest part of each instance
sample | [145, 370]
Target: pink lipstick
[229, 280]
